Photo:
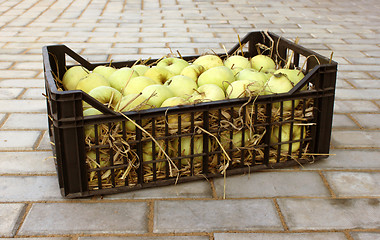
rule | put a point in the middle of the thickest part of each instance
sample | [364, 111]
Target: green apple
[285, 136]
[137, 84]
[279, 83]
[185, 149]
[193, 71]
[158, 74]
[148, 154]
[221, 76]
[120, 78]
[91, 81]
[174, 101]
[262, 63]
[157, 94]
[132, 102]
[72, 76]
[104, 161]
[237, 61]
[105, 71]
[207, 93]
[106, 95]
[244, 88]
[174, 65]
[209, 61]
[236, 140]
[173, 119]
[89, 130]
[181, 86]
[251, 74]
[140, 69]
[293, 75]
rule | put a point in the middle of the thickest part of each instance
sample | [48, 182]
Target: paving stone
[365, 83]
[279, 236]
[354, 106]
[343, 121]
[215, 215]
[33, 93]
[368, 120]
[272, 184]
[26, 121]
[29, 188]
[45, 142]
[23, 106]
[10, 216]
[365, 235]
[21, 83]
[348, 159]
[356, 139]
[196, 189]
[10, 93]
[148, 238]
[350, 184]
[39, 238]
[75, 218]
[27, 163]
[18, 140]
[361, 94]
[325, 214]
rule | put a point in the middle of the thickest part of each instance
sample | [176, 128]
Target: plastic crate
[119, 163]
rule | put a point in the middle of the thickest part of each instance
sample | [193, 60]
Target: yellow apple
[91, 81]
[221, 76]
[174, 65]
[158, 74]
[120, 78]
[181, 86]
[193, 71]
[72, 76]
[137, 84]
[209, 61]
[262, 63]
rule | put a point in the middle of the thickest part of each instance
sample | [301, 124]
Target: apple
[137, 84]
[262, 63]
[185, 149]
[157, 94]
[89, 130]
[120, 78]
[209, 61]
[72, 76]
[285, 136]
[140, 69]
[158, 74]
[106, 95]
[221, 76]
[236, 70]
[181, 86]
[293, 75]
[244, 88]
[236, 140]
[104, 161]
[132, 102]
[174, 101]
[148, 154]
[174, 65]
[237, 61]
[173, 119]
[279, 83]
[105, 71]
[193, 71]
[207, 93]
[251, 74]
[91, 81]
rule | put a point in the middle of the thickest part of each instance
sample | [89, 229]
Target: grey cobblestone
[10, 214]
[279, 236]
[189, 216]
[73, 218]
[271, 184]
[102, 31]
[330, 213]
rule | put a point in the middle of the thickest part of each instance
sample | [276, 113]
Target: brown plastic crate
[77, 178]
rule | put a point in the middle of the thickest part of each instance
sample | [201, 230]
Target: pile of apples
[174, 81]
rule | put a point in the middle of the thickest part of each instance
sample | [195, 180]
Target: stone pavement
[337, 198]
